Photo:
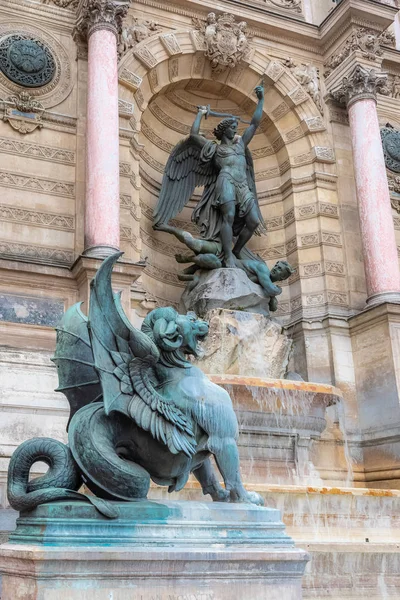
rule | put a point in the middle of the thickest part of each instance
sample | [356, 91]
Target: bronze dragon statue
[140, 411]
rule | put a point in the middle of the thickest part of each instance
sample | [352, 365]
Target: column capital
[99, 15]
[360, 84]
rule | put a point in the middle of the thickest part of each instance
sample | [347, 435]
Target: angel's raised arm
[200, 140]
[257, 116]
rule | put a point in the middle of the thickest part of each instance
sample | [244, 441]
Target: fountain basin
[280, 423]
[279, 404]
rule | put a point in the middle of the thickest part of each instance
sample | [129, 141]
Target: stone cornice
[267, 23]
[101, 14]
[264, 22]
[44, 15]
[359, 13]
[361, 84]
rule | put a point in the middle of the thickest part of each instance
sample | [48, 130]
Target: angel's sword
[212, 113]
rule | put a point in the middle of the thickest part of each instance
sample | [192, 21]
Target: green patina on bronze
[139, 411]
[26, 61]
[228, 213]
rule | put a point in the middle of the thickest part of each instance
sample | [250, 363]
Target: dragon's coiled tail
[61, 481]
[94, 439]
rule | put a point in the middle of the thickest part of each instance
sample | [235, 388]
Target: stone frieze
[367, 41]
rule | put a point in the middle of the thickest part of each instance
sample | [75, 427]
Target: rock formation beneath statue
[241, 343]
[225, 288]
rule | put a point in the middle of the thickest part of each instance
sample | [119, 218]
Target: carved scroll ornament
[23, 113]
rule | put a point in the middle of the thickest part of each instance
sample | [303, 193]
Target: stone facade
[303, 162]
[309, 195]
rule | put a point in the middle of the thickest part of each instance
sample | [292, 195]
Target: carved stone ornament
[394, 185]
[294, 5]
[226, 42]
[26, 61]
[29, 60]
[391, 147]
[101, 14]
[395, 202]
[308, 77]
[394, 188]
[392, 88]
[136, 32]
[367, 41]
[23, 113]
[361, 84]
[63, 3]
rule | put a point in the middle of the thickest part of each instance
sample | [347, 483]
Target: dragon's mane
[168, 357]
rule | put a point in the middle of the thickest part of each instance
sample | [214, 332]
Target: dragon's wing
[184, 172]
[251, 180]
[114, 340]
[124, 357]
[78, 379]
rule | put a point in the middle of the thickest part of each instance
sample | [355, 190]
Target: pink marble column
[102, 19]
[376, 221]
[102, 146]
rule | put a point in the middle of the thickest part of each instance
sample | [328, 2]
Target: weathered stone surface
[154, 551]
[243, 343]
[225, 288]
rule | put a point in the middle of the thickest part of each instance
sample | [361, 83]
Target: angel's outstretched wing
[185, 170]
[124, 358]
[251, 180]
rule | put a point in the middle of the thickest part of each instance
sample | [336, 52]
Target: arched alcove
[165, 81]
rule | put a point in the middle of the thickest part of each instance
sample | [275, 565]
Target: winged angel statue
[228, 210]
[139, 410]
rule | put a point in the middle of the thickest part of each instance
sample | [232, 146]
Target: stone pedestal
[155, 550]
[375, 336]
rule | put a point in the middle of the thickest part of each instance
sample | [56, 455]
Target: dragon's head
[174, 334]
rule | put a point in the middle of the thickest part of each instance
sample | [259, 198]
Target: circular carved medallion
[26, 61]
[391, 148]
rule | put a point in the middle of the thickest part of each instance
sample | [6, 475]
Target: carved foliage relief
[23, 112]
